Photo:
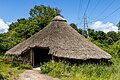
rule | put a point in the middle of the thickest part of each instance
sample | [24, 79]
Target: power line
[79, 8]
[111, 13]
[95, 7]
[105, 9]
[87, 8]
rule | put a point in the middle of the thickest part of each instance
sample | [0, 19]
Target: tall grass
[9, 70]
[85, 71]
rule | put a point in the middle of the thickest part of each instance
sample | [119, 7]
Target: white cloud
[105, 27]
[3, 26]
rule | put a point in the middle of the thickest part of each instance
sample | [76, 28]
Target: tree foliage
[43, 12]
[118, 25]
[74, 26]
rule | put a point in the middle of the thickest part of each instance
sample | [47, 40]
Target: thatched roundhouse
[60, 40]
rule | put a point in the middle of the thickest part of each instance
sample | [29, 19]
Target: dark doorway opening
[41, 55]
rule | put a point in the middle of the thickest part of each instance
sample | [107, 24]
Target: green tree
[74, 26]
[91, 33]
[113, 35]
[40, 16]
[80, 31]
[44, 11]
[118, 25]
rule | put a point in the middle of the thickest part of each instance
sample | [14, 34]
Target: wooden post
[53, 59]
[32, 56]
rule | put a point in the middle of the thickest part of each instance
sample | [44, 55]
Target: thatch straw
[63, 41]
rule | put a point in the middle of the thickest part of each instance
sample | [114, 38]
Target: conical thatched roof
[63, 41]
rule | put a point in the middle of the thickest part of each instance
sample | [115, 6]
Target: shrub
[52, 68]
[1, 77]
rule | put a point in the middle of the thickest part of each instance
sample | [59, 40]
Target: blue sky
[72, 10]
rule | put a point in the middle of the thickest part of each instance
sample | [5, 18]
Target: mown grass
[10, 70]
[85, 71]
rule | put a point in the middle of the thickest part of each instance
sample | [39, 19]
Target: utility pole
[85, 26]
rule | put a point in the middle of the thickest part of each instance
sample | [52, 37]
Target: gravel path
[34, 75]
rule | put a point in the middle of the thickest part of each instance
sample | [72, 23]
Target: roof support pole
[32, 56]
